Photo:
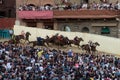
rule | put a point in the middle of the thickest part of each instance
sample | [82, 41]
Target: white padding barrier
[107, 44]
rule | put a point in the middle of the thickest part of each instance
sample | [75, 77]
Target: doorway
[85, 1]
[85, 30]
[48, 25]
[31, 24]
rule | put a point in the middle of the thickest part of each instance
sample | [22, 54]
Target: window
[50, 27]
[9, 13]
[105, 30]
[31, 24]
[1, 1]
[2, 14]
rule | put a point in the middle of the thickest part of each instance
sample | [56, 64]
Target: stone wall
[96, 29]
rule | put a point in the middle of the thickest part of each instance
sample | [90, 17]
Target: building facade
[7, 13]
[7, 17]
[102, 21]
[7, 8]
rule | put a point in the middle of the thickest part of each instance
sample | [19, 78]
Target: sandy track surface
[2, 40]
[73, 48]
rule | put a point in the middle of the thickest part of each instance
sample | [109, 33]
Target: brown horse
[90, 48]
[57, 40]
[50, 39]
[16, 38]
[93, 47]
[76, 41]
[86, 47]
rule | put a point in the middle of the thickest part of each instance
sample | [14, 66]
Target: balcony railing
[50, 14]
[86, 14]
[35, 14]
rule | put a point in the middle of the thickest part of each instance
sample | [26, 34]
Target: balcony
[86, 14]
[35, 14]
[57, 14]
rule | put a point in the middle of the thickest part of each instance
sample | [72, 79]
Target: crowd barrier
[107, 44]
[4, 34]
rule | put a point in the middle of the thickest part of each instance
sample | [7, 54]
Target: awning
[35, 14]
[105, 30]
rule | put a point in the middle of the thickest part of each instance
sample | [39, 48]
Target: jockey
[76, 38]
[23, 33]
[90, 43]
[60, 37]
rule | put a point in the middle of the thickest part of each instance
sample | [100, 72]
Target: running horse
[86, 47]
[76, 41]
[58, 40]
[16, 38]
[90, 48]
[51, 39]
[93, 47]
[27, 36]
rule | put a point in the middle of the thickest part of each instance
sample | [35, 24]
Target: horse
[27, 36]
[61, 40]
[40, 41]
[16, 38]
[90, 48]
[93, 47]
[76, 41]
[66, 41]
[86, 47]
[51, 39]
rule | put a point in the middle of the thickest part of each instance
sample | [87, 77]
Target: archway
[85, 29]
[47, 6]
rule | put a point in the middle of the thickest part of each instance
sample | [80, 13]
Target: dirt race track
[79, 50]
[66, 48]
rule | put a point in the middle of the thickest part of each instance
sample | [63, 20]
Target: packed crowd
[24, 62]
[64, 6]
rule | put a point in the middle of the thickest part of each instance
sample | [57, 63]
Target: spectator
[11, 32]
[18, 62]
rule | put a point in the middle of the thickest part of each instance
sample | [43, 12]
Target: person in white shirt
[11, 32]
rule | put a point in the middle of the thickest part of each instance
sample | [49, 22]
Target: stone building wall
[78, 27]
[7, 8]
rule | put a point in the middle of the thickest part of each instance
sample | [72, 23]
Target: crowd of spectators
[24, 62]
[64, 6]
